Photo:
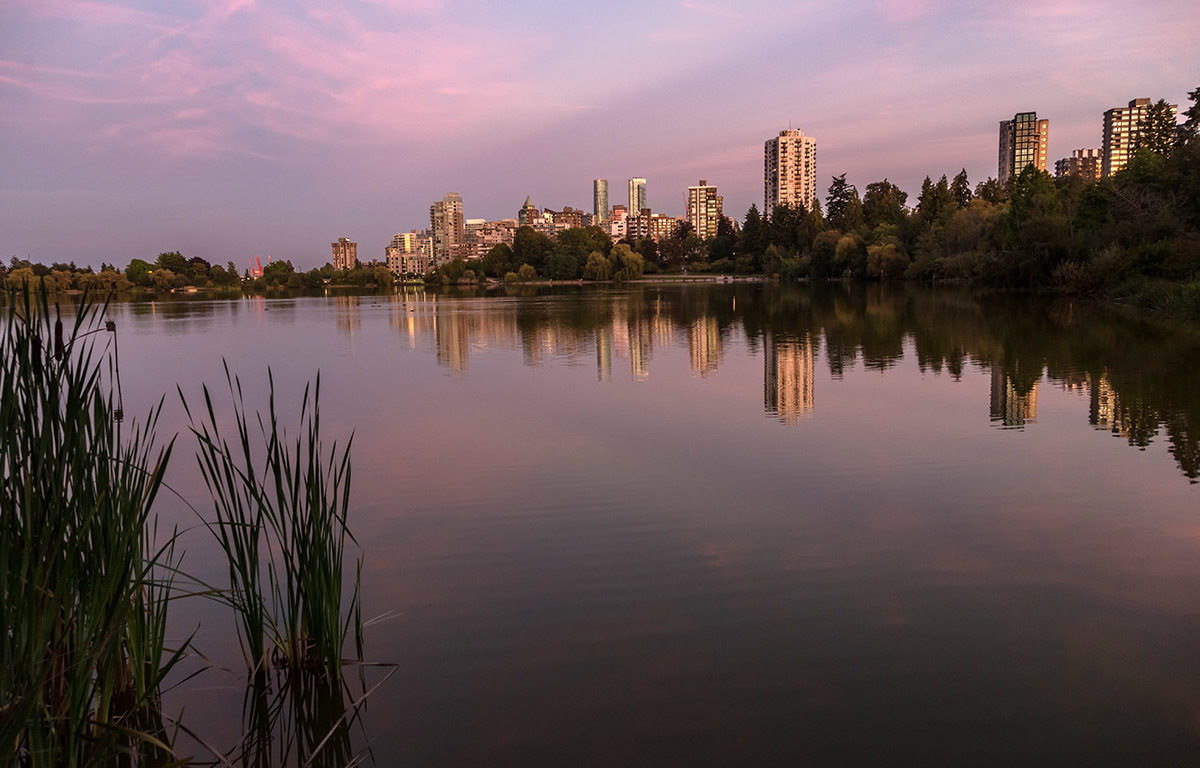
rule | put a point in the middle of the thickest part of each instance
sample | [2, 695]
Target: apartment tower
[637, 195]
[789, 170]
[1023, 142]
[704, 209]
[447, 226]
[1120, 133]
[345, 254]
[600, 200]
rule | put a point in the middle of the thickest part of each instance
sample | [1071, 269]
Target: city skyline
[225, 129]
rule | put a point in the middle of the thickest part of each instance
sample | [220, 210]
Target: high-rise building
[704, 209]
[1023, 142]
[1120, 133]
[637, 195]
[789, 170]
[446, 224]
[345, 254]
[1084, 163]
[600, 199]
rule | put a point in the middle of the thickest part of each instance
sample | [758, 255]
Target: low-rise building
[410, 253]
[656, 226]
[483, 235]
[1084, 163]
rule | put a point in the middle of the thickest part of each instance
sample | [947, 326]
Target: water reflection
[788, 377]
[1011, 407]
[299, 720]
[1135, 389]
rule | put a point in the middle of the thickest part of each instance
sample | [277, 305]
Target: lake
[740, 524]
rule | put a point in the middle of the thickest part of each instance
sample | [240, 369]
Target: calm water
[749, 525]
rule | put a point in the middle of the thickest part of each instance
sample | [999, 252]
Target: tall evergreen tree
[935, 199]
[884, 203]
[960, 190]
[1156, 131]
[754, 236]
[991, 190]
[843, 208]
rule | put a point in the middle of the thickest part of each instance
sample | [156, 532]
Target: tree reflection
[1141, 381]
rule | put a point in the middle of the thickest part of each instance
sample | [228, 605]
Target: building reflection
[346, 314]
[788, 377]
[641, 340]
[704, 345]
[1011, 407]
[452, 337]
[604, 353]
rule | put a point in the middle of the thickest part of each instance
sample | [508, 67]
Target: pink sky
[238, 127]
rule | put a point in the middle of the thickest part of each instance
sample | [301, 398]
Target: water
[745, 524]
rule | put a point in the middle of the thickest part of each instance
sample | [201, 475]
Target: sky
[232, 128]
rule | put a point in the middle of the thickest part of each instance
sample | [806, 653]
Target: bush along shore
[1132, 238]
[86, 576]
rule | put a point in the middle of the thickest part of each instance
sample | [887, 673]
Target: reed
[280, 507]
[83, 581]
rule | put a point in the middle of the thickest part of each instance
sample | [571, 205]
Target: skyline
[225, 129]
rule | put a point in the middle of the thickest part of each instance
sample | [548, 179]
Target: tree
[960, 190]
[754, 236]
[453, 270]
[277, 272]
[824, 253]
[221, 276]
[935, 200]
[138, 272]
[104, 282]
[885, 262]
[598, 267]
[884, 203]
[580, 241]
[561, 266]
[199, 268]
[498, 260]
[531, 247]
[1190, 129]
[22, 277]
[648, 248]
[785, 227]
[843, 208]
[1156, 131]
[382, 277]
[992, 191]
[174, 261]
[163, 279]
[527, 272]
[629, 264]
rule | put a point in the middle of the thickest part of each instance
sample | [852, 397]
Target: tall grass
[83, 582]
[280, 508]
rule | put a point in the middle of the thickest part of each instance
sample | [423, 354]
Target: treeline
[172, 270]
[585, 253]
